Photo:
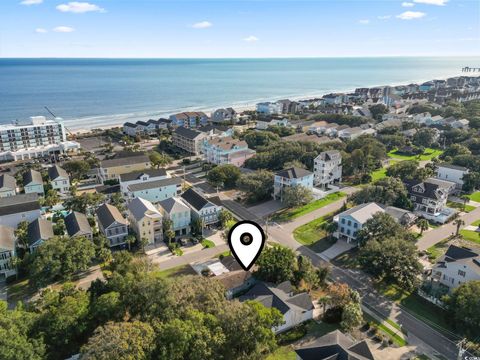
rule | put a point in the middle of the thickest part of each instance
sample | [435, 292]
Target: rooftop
[195, 199]
[7, 238]
[136, 158]
[56, 171]
[77, 224]
[136, 175]
[139, 207]
[39, 229]
[155, 184]
[7, 182]
[19, 203]
[108, 214]
[32, 177]
[363, 212]
[293, 173]
[188, 133]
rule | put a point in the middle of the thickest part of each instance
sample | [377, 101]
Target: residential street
[436, 235]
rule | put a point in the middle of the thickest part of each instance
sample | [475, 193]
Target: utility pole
[461, 350]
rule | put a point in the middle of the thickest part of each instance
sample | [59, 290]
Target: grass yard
[290, 214]
[19, 291]
[379, 174]
[347, 260]
[208, 243]
[475, 196]
[437, 250]
[459, 206]
[283, 353]
[428, 154]
[176, 271]
[393, 335]
[470, 235]
[313, 235]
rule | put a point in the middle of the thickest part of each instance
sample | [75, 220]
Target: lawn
[313, 235]
[208, 243]
[176, 271]
[475, 196]
[459, 206]
[290, 214]
[393, 335]
[437, 250]
[471, 235]
[428, 154]
[283, 353]
[379, 174]
[19, 291]
[347, 260]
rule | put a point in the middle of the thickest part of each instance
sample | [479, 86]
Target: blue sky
[224, 28]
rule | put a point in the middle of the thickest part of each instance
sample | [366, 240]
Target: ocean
[91, 93]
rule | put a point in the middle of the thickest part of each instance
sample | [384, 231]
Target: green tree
[404, 170]
[84, 201]
[224, 175]
[77, 169]
[123, 341]
[297, 195]
[377, 111]
[224, 217]
[196, 227]
[388, 191]
[130, 240]
[379, 227]
[51, 198]
[276, 264]
[424, 137]
[352, 316]
[463, 305]
[59, 228]
[256, 185]
[306, 276]
[422, 225]
[107, 307]
[21, 234]
[458, 224]
[159, 160]
[168, 233]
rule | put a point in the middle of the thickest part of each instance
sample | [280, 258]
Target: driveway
[266, 208]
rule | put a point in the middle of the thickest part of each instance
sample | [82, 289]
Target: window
[343, 221]
[461, 273]
[349, 223]
[355, 225]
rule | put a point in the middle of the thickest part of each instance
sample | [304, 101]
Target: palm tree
[422, 225]
[130, 240]
[459, 223]
[465, 199]
[324, 301]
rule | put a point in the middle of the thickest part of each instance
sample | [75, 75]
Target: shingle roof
[463, 256]
[135, 175]
[107, 214]
[138, 207]
[127, 160]
[195, 199]
[7, 182]
[154, 184]
[32, 176]
[56, 172]
[363, 212]
[293, 173]
[39, 229]
[7, 238]
[329, 155]
[77, 224]
[173, 205]
[187, 133]
[19, 203]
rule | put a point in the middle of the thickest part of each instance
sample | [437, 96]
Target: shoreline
[239, 107]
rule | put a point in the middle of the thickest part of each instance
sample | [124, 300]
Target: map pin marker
[246, 240]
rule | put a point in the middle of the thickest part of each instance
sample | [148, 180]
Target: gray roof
[188, 133]
[195, 199]
[135, 175]
[329, 155]
[77, 224]
[293, 173]
[363, 212]
[173, 205]
[7, 182]
[154, 184]
[32, 177]
[462, 255]
[138, 207]
[19, 203]
[39, 229]
[125, 160]
[107, 214]
[7, 238]
[56, 172]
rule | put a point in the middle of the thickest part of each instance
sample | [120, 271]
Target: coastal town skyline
[252, 29]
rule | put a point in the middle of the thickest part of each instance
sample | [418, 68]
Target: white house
[452, 173]
[138, 177]
[112, 224]
[59, 179]
[18, 208]
[295, 308]
[456, 267]
[33, 183]
[7, 251]
[460, 124]
[145, 220]
[264, 124]
[327, 168]
[202, 209]
[224, 115]
[156, 190]
[8, 186]
[291, 177]
[179, 213]
[351, 221]
[350, 133]
[269, 108]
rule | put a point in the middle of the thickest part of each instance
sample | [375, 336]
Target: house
[453, 173]
[265, 123]
[327, 168]
[224, 115]
[458, 265]
[350, 133]
[236, 280]
[77, 225]
[138, 177]
[124, 163]
[130, 129]
[39, 231]
[460, 124]
[429, 198]
[226, 150]
[333, 99]
[59, 179]
[269, 108]
[8, 186]
[156, 190]
[190, 119]
[18, 208]
[403, 217]
[149, 127]
[179, 213]
[33, 183]
[188, 140]
[145, 220]
[351, 221]
[295, 309]
[7, 251]
[291, 177]
[112, 224]
[288, 106]
[335, 346]
[202, 209]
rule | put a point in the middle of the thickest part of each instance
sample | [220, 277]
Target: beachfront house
[18, 208]
[224, 115]
[264, 124]
[59, 179]
[269, 108]
[293, 176]
[327, 168]
[226, 150]
[7, 252]
[179, 213]
[145, 220]
[112, 224]
[191, 119]
[33, 183]
[8, 186]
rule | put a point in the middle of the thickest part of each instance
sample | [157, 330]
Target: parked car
[183, 242]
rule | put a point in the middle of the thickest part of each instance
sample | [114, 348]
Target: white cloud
[408, 4]
[202, 25]
[432, 2]
[31, 2]
[364, 21]
[384, 17]
[79, 7]
[410, 15]
[64, 29]
[41, 30]
[251, 38]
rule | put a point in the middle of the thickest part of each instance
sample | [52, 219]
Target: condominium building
[189, 140]
[190, 119]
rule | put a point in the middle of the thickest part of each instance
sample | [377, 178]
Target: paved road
[434, 236]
